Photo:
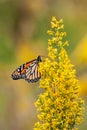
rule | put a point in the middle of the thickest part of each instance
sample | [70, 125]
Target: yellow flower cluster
[60, 107]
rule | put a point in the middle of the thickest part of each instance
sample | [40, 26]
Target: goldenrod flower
[60, 107]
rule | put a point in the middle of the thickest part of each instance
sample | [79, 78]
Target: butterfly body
[28, 71]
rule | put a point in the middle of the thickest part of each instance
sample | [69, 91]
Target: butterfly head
[39, 59]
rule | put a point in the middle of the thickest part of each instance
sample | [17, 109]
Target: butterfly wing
[28, 71]
[17, 74]
[32, 74]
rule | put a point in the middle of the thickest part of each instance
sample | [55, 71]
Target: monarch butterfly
[28, 71]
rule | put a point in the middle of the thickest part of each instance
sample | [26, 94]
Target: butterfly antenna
[44, 57]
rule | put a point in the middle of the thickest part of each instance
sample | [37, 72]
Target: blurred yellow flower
[79, 56]
[83, 84]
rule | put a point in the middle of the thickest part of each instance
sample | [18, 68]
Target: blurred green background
[23, 27]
